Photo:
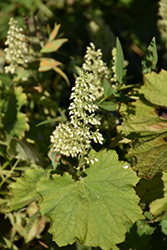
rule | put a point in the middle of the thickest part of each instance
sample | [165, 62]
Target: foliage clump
[111, 140]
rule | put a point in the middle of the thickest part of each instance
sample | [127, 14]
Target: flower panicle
[17, 52]
[74, 137]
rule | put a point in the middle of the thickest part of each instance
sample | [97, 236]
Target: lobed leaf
[147, 124]
[141, 117]
[95, 209]
[23, 191]
[150, 149]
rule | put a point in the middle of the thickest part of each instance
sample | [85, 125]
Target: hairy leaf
[150, 131]
[151, 155]
[94, 209]
[141, 117]
[23, 191]
[155, 88]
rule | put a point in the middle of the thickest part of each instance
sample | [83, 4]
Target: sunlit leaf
[47, 64]
[95, 209]
[54, 32]
[60, 72]
[159, 205]
[150, 147]
[146, 121]
[54, 45]
[155, 88]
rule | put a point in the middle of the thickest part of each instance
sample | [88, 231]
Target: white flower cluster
[84, 102]
[97, 69]
[17, 51]
[162, 23]
[74, 138]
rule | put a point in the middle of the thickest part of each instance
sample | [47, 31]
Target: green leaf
[25, 151]
[94, 209]
[54, 157]
[60, 72]
[110, 106]
[54, 32]
[138, 237]
[159, 205]
[15, 122]
[82, 247]
[140, 117]
[23, 191]
[120, 72]
[108, 90]
[163, 225]
[151, 155]
[155, 88]
[47, 64]
[53, 46]
[149, 131]
[150, 60]
[150, 190]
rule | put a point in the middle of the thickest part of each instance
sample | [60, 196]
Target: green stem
[3, 143]
[103, 99]
[79, 165]
[9, 174]
[5, 165]
[128, 86]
